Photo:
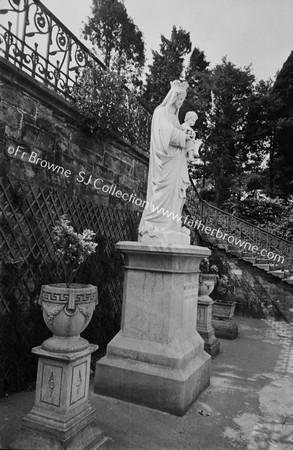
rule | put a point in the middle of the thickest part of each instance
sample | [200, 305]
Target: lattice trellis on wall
[27, 216]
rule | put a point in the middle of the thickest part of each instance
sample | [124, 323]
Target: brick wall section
[41, 121]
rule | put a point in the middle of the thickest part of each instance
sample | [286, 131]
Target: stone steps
[277, 273]
[274, 270]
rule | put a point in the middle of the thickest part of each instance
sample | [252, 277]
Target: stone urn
[67, 311]
[207, 282]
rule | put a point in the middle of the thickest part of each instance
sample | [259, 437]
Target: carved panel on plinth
[51, 384]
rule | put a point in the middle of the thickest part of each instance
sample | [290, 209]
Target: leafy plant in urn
[223, 290]
[224, 305]
[205, 267]
[68, 307]
[72, 248]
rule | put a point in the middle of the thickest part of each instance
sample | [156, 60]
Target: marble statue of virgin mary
[168, 174]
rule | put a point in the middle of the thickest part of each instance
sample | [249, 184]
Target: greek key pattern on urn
[57, 297]
[84, 297]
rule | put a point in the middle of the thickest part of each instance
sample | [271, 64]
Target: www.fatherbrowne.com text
[186, 220]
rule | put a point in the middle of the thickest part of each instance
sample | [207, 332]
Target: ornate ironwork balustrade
[37, 42]
[249, 238]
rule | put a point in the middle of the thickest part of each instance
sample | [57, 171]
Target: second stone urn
[207, 282]
[204, 326]
[67, 311]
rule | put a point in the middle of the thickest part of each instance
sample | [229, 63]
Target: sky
[256, 32]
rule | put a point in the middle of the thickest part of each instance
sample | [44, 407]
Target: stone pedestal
[157, 359]
[204, 326]
[62, 417]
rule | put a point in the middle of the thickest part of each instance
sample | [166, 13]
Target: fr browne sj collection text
[33, 158]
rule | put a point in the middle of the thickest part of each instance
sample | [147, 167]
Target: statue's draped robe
[168, 176]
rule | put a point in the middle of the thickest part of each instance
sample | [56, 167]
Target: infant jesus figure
[191, 148]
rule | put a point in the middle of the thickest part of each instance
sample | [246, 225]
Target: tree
[283, 87]
[282, 136]
[199, 93]
[197, 64]
[113, 32]
[167, 65]
[261, 125]
[226, 151]
[198, 99]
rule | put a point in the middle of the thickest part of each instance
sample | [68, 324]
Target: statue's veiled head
[176, 94]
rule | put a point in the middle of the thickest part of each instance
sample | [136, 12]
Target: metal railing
[241, 230]
[37, 42]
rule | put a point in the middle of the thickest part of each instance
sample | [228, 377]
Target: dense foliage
[114, 34]
[282, 130]
[104, 103]
[206, 267]
[167, 65]
[223, 289]
[273, 214]
[226, 152]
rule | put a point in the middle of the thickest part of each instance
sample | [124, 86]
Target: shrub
[72, 248]
[104, 102]
[205, 267]
[223, 289]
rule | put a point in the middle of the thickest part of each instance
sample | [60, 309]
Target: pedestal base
[211, 343]
[158, 358]
[89, 438]
[204, 325]
[225, 329]
[62, 417]
[165, 378]
[178, 238]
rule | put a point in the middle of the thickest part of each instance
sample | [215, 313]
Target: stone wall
[35, 122]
